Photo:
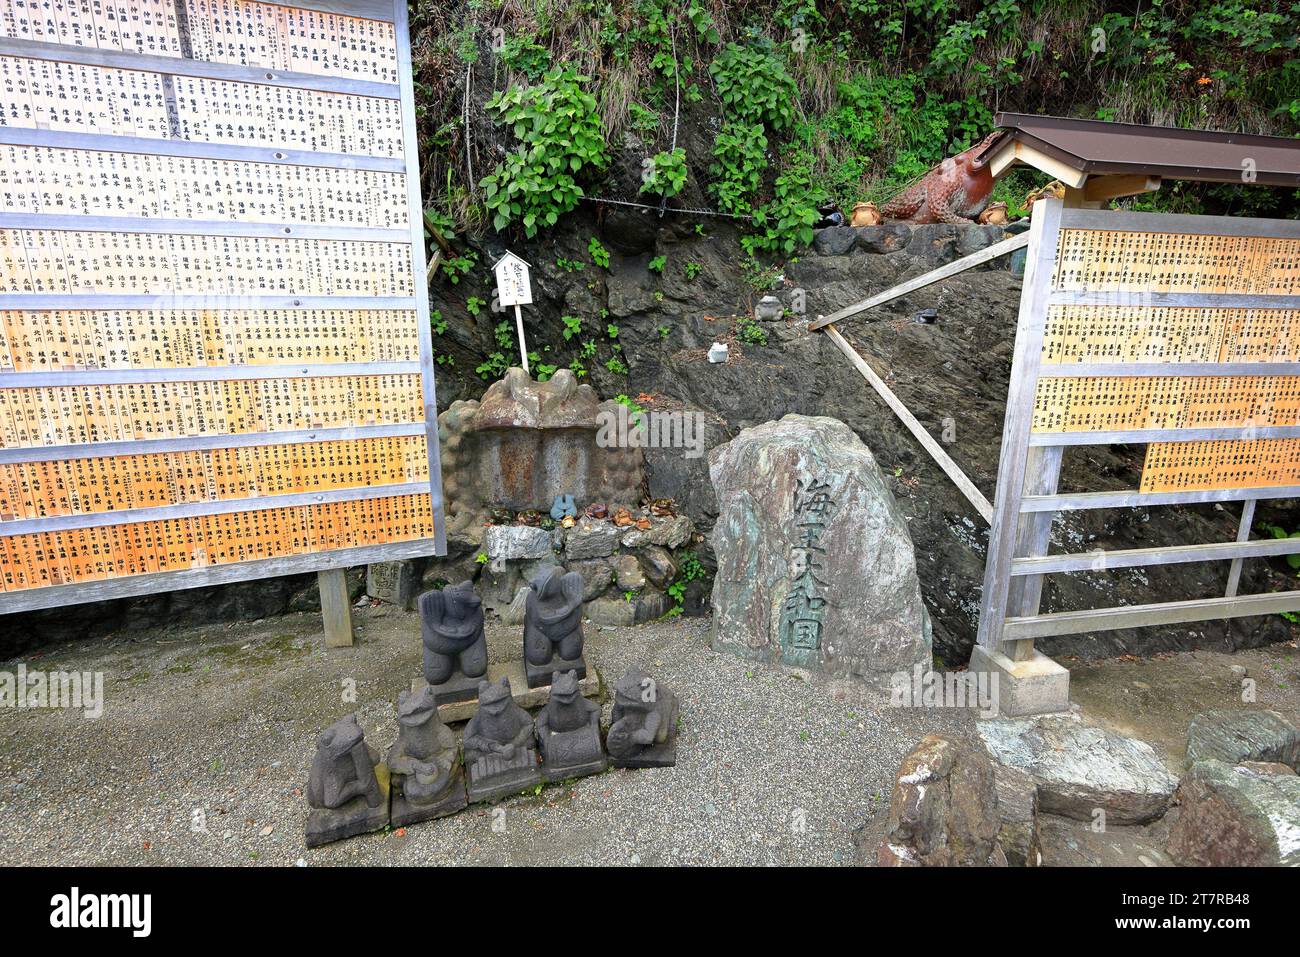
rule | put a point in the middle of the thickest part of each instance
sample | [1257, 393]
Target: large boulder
[1236, 816]
[951, 806]
[815, 564]
[1081, 769]
[1233, 736]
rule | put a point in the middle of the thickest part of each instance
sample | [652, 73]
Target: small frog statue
[427, 777]
[347, 792]
[643, 724]
[553, 626]
[568, 732]
[500, 747]
[455, 649]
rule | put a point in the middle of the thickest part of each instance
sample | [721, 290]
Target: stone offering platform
[526, 697]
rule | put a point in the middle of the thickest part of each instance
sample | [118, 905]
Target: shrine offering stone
[397, 583]
[642, 724]
[455, 648]
[815, 564]
[568, 732]
[500, 745]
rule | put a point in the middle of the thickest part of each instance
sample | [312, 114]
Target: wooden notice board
[1181, 333]
[215, 355]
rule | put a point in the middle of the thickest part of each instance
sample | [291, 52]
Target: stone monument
[643, 724]
[553, 626]
[500, 748]
[568, 732]
[347, 793]
[455, 649]
[426, 773]
[815, 564]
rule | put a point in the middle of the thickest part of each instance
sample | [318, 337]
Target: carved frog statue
[956, 191]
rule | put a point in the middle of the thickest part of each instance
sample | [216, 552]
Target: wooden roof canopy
[1102, 160]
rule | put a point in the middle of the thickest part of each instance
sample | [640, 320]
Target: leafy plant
[572, 326]
[692, 269]
[665, 173]
[599, 254]
[657, 264]
[754, 87]
[739, 161]
[560, 134]
[474, 305]
[786, 222]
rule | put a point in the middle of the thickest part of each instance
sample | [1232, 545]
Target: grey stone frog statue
[553, 626]
[568, 732]
[643, 724]
[500, 749]
[455, 650]
[346, 796]
[427, 778]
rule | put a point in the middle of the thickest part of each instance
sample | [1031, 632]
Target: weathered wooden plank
[926, 279]
[945, 462]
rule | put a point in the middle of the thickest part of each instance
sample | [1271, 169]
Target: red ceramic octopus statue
[955, 191]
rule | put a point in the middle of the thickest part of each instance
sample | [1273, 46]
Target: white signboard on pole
[514, 289]
[513, 285]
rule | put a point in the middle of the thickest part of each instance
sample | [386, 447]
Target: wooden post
[335, 607]
[1033, 536]
[519, 328]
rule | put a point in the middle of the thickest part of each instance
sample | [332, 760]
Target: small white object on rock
[718, 352]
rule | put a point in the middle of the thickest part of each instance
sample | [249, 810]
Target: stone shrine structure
[643, 724]
[500, 747]
[568, 732]
[524, 443]
[424, 763]
[347, 793]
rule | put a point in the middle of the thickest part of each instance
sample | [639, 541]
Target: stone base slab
[526, 697]
[539, 675]
[453, 800]
[1035, 686]
[660, 756]
[327, 825]
[459, 687]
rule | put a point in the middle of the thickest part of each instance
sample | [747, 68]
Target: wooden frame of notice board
[216, 360]
[1180, 332]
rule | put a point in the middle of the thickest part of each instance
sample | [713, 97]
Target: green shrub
[754, 87]
[560, 136]
[665, 173]
[739, 161]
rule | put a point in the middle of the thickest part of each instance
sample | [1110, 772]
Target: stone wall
[626, 571]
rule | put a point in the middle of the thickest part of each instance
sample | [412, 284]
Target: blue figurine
[562, 506]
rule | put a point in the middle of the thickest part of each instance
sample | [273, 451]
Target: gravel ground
[202, 753]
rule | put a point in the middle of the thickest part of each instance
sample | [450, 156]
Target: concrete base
[526, 697]
[459, 687]
[1036, 686]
